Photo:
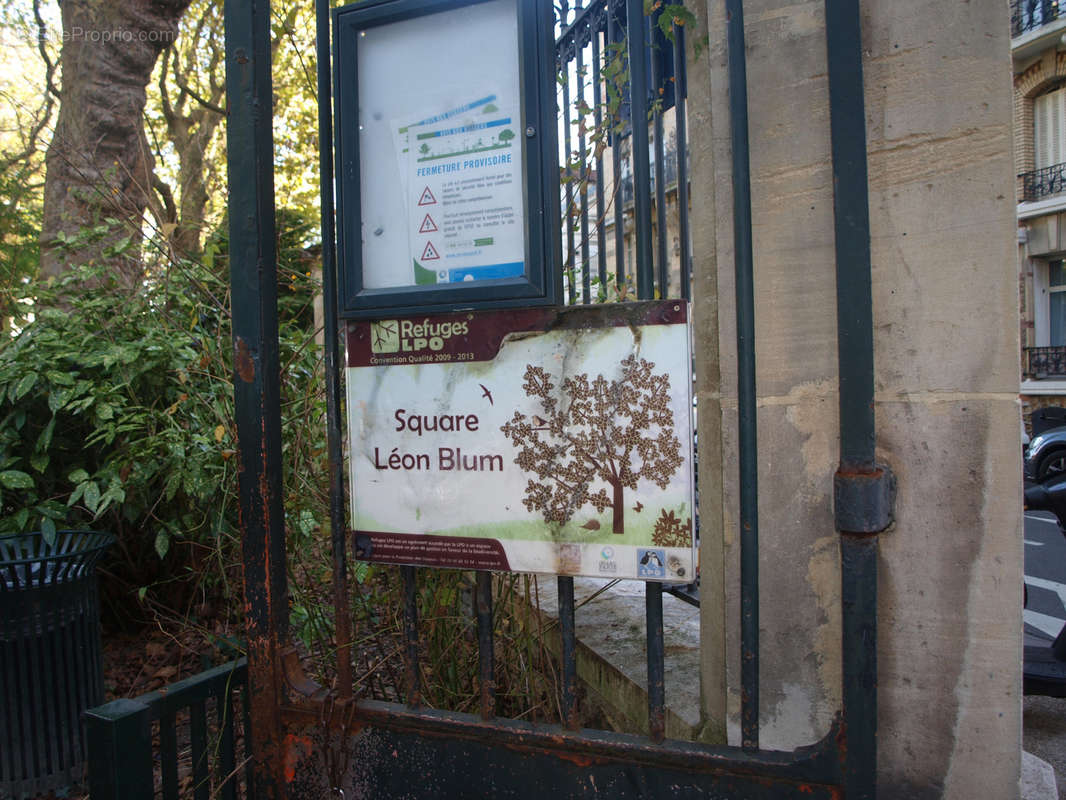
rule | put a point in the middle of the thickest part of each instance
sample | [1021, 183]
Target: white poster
[441, 150]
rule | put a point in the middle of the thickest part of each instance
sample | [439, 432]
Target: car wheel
[1052, 464]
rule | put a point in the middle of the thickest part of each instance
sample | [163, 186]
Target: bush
[116, 413]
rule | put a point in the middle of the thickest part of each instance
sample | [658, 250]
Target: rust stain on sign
[243, 363]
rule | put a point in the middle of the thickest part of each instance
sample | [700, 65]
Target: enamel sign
[535, 440]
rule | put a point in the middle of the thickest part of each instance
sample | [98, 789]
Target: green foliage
[107, 422]
[670, 14]
[20, 226]
[116, 413]
[526, 677]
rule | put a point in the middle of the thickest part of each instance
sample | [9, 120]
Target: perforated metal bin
[50, 667]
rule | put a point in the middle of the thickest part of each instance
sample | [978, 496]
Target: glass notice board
[443, 176]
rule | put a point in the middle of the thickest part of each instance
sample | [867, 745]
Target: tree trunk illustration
[618, 508]
[594, 430]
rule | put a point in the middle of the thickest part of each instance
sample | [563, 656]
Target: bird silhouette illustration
[486, 393]
[638, 507]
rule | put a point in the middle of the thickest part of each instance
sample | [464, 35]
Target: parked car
[1046, 455]
[1044, 419]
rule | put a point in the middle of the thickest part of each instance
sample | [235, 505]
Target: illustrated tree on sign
[618, 432]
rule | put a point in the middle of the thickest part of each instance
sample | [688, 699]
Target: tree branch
[169, 114]
[196, 96]
[167, 196]
[42, 37]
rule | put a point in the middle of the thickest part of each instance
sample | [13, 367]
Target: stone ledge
[1038, 779]
[611, 654]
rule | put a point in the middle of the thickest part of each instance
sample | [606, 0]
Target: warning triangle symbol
[430, 253]
[427, 198]
[428, 225]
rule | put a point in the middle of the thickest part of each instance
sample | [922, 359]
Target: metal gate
[310, 741]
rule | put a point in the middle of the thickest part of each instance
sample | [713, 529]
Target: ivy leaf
[48, 530]
[114, 493]
[78, 476]
[79, 490]
[162, 544]
[44, 441]
[58, 399]
[60, 378]
[91, 495]
[172, 485]
[22, 517]
[15, 479]
[25, 385]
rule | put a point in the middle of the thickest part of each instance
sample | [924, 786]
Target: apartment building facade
[1038, 50]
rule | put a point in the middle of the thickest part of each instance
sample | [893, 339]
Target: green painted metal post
[119, 739]
[256, 380]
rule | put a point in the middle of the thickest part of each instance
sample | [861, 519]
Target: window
[1057, 303]
[1049, 127]
[1034, 13]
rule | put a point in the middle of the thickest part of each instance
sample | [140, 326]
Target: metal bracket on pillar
[864, 502]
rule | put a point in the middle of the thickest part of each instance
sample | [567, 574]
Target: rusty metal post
[256, 381]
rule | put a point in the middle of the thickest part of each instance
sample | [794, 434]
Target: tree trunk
[618, 508]
[191, 91]
[99, 166]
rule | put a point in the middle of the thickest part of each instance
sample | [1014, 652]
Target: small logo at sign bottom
[385, 336]
[607, 562]
[650, 563]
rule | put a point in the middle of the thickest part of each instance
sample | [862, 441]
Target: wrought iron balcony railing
[1028, 15]
[1041, 183]
[1045, 362]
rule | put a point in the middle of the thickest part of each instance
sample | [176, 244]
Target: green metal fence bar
[168, 753]
[257, 369]
[119, 738]
[227, 761]
[747, 438]
[332, 359]
[121, 755]
[863, 490]
[198, 728]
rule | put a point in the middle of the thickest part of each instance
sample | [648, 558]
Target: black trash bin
[50, 667]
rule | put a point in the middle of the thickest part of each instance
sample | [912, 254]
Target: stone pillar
[945, 292]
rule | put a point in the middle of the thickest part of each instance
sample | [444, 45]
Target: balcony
[1044, 362]
[1043, 183]
[1028, 15]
